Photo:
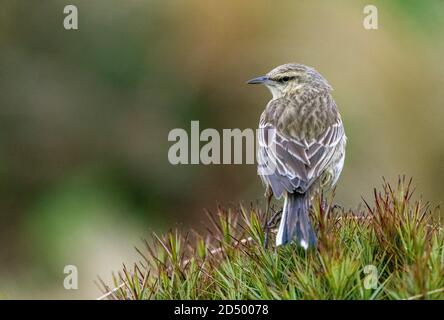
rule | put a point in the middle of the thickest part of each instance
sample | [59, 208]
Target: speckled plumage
[302, 136]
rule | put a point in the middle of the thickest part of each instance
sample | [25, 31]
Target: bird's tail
[295, 223]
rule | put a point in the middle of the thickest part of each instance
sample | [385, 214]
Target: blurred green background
[84, 116]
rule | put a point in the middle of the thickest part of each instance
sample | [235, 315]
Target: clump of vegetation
[391, 249]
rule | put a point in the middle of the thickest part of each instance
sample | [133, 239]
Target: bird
[301, 137]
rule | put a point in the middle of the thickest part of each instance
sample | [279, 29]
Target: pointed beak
[258, 80]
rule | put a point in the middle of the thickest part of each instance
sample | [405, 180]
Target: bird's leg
[274, 218]
[269, 195]
[270, 224]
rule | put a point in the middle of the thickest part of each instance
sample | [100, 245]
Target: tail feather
[295, 223]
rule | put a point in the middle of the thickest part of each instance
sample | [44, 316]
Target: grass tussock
[391, 249]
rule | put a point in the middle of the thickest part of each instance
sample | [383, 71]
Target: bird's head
[292, 78]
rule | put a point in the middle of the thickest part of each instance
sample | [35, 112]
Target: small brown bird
[301, 137]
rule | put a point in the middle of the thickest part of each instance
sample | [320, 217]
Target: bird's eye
[285, 79]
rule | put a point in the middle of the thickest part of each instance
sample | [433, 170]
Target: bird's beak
[258, 80]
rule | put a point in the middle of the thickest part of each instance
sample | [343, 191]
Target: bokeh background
[84, 116]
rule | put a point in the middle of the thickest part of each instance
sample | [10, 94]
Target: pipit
[301, 137]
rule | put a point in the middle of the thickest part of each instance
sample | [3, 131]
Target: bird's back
[308, 131]
[302, 116]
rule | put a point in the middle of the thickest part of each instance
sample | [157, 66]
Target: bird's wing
[288, 163]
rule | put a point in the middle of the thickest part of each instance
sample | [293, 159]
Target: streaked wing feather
[297, 167]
